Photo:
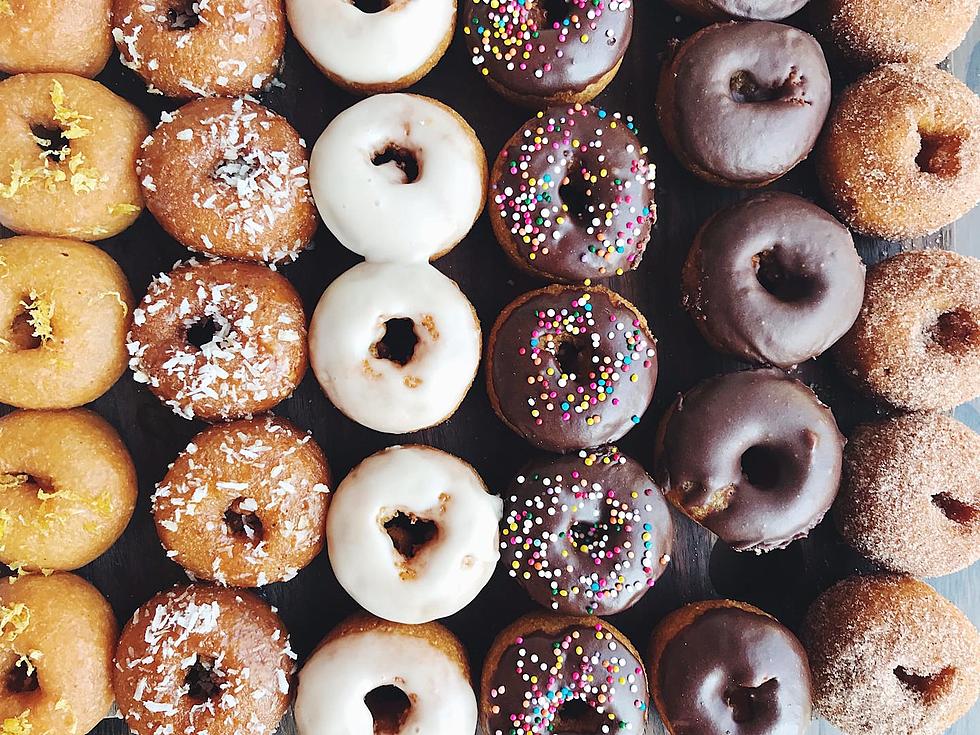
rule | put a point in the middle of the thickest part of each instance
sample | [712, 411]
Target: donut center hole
[398, 343]
[233, 171]
[928, 688]
[395, 157]
[208, 330]
[938, 155]
[389, 707]
[956, 332]
[578, 717]
[569, 357]
[785, 284]
[182, 16]
[22, 678]
[956, 510]
[52, 141]
[242, 521]
[746, 89]
[551, 12]
[576, 195]
[762, 467]
[410, 534]
[746, 702]
[371, 6]
[22, 333]
[202, 681]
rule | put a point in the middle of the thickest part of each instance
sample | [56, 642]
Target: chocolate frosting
[734, 672]
[753, 456]
[806, 257]
[716, 10]
[571, 367]
[574, 191]
[586, 534]
[745, 102]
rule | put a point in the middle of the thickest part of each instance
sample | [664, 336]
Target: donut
[395, 347]
[571, 367]
[560, 673]
[229, 177]
[69, 489]
[910, 500]
[571, 195]
[57, 635]
[201, 49]
[245, 503]
[412, 534]
[204, 659]
[587, 533]
[741, 104]
[901, 154]
[916, 341]
[752, 456]
[66, 307]
[371, 676]
[713, 11]
[399, 177]
[71, 36]
[548, 52]
[68, 147]
[890, 656]
[219, 340]
[369, 52]
[773, 279]
[722, 667]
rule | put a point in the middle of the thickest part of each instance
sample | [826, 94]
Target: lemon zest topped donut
[10, 480]
[14, 620]
[117, 296]
[39, 314]
[65, 116]
[82, 179]
[122, 208]
[20, 725]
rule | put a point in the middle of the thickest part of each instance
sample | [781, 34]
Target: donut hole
[183, 15]
[747, 89]
[552, 12]
[930, 687]
[939, 155]
[208, 330]
[32, 324]
[52, 141]
[22, 336]
[389, 707]
[371, 6]
[956, 332]
[22, 678]
[569, 355]
[576, 196]
[202, 680]
[578, 717]
[763, 467]
[956, 510]
[242, 521]
[409, 533]
[786, 284]
[747, 703]
[398, 342]
[395, 157]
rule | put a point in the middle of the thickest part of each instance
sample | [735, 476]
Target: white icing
[379, 393]
[371, 48]
[369, 208]
[334, 682]
[448, 572]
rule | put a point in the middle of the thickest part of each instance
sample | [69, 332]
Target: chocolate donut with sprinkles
[586, 534]
[571, 367]
[572, 195]
[542, 52]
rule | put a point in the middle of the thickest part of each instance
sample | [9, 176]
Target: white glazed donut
[373, 52]
[425, 662]
[413, 534]
[362, 168]
[350, 346]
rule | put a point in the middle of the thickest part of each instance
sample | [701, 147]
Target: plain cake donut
[71, 36]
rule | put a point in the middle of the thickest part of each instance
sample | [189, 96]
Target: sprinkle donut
[571, 195]
[412, 534]
[586, 534]
[229, 178]
[714, 11]
[409, 166]
[571, 367]
[71, 36]
[69, 148]
[205, 48]
[254, 357]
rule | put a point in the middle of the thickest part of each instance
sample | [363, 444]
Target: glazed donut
[586, 534]
[752, 456]
[571, 195]
[69, 489]
[890, 656]
[722, 667]
[69, 149]
[571, 367]
[910, 500]
[362, 164]
[229, 178]
[916, 342]
[395, 347]
[773, 279]
[245, 503]
[371, 676]
[254, 357]
[204, 659]
[367, 53]
[740, 104]
[66, 306]
[901, 155]
[412, 534]
[533, 57]
[203, 48]
[590, 679]
[57, 635]
[713, 11]
[71, 36]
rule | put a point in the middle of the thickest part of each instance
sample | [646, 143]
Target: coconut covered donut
[68, 147]
[229, 177]
[412, 534]
[71, 36]
[713, 11]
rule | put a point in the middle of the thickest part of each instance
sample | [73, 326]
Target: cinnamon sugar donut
[916, 342]
[900, 157]
[71, 36]
[910, 500]
[229, 177]
[219, 340]
[890, 656]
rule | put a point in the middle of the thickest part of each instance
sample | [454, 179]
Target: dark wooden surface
[782, 582]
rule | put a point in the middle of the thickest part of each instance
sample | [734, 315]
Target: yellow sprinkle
[13, 620]
[69, 119]
[20, 725]
[122, 208]
[39, 313]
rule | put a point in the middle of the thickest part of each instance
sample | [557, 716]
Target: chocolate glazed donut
[711, 11]
[741, 104]
[773, 279]
[752, 456]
